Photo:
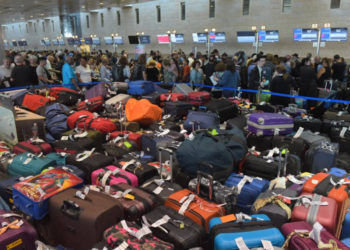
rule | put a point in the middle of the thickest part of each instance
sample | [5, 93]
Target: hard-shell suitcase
[140, 87]
[32, 195]
[198, 98]
[100, 89]
[201, 120]
[28, 165]
[270, 124]
[179, 230]
[341, 136]
[345, 233]
[248, 190]
[79, 223]
[94, 104]
[194, 207]
[298, 235]
[273, 204]
[172, 97]
[177, 109]
[224, 108]
[311, 138]
[152, 142]
[182, 88]
[308, 123]
[16, 233]
[127, 233]
[228, 233]
[143, 171]
[120, 98]
[33, 147]
[315, 207]
[111, 175]
[346, 242]
[320, 157]
[293, 110]
[336, 116]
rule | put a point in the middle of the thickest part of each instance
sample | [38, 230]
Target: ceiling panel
[24, 10]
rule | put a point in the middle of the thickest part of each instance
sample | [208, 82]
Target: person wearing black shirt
[281, 83]
[152, 73]
[33, 64]
[21, 74]
[308, 81]
[338, 69]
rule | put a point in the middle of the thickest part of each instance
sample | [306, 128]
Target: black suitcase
[341, 136]
[295, 146]
[239, 121]
[143, 171]
[327, 125]
[153, 98]
[73, 146]
[88, 161]
[177, 109]
[261, 143]
[267, 108]
[179, 230]
[223, 108]
[69, 98]
[313, 124]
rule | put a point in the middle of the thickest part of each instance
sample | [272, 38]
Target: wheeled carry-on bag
[182, 88]
[224, 108]
[270, 124]
[111, 175]
[177, 109]
[143, 171]
[199, 98]
[33, 147]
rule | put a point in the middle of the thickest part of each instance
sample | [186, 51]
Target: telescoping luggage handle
[16, 224]
[71, 209]
[201, 174]
[171, 152]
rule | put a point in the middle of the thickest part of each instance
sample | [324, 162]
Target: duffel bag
[56, 119]
[201, 120]
[140, 87]
[142, 111]
[34, 102]
[54, 91]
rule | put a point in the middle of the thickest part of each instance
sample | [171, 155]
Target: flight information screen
[334, 34]
[305, 35]
[246, 36]
[199, 37]
[217, 37]
[269, 36]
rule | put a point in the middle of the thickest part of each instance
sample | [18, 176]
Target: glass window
[287, 5]
[137, 16]
[102, 20]
[159, 18]
[211, 8]
[118, 17]
[87, 21]
[246, 4]
[183, 10]
[335, 4]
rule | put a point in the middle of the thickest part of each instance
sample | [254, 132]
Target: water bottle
[35, 130]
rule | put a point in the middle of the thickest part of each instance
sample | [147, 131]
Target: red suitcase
[94, 104]
[32, 147]
[314, 207]
[199, 98]
[171, 97]
[56, 90]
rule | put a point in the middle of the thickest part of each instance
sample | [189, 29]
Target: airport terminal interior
[174, 124]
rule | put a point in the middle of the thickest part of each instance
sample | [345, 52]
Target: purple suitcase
[100, 89]
[297, 242]
[270, 124]
[23, 237]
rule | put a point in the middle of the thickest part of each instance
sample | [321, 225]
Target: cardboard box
[24, 124]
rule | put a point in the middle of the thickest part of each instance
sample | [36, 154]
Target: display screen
[55, 42]
[108, 40]
[217, 37]
[268, 36]
[47, 42]
[14, 43]
[145, 39]
[42, 42]
[305, 35]
[163, 39]
[70, 41]
[199, 37]
[96, 41]
[177, 38]
[88, 41]
[77, 41]
[246, 36]
[334, 34]
[61, 42]
[134, 39]
[22, 43]
[118, 40]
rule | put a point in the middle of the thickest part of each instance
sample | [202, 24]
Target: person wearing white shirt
[83, 71]
[5, 72]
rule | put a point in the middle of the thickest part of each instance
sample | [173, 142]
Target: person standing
[256, 76]
[20, 75]
[338, 68]
[281, 83]
[83, 71]
[230, 79]
[70, 79]
[5, 72]
[33, 64]
[308, 81]
[196, 76]
[42, 73]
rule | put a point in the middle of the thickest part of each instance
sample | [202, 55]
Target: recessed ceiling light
[22, 18]
[83, 7]
[41, 14]
[101, 3]
[31, 16]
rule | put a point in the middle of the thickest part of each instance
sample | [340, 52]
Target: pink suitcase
[112, 175]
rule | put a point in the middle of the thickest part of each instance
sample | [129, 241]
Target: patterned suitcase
[270, 124]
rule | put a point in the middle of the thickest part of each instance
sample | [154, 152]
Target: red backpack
[54, 91]
[34, 102]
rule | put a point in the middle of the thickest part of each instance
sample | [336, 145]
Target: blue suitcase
[320, 157]
[201, 120]
[345, 233]
[339, 172]
[140, 87]
[224, 235]
[249, 189]
[346, 242]
[151, 143]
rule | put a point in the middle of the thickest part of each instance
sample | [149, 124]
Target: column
[2, 49]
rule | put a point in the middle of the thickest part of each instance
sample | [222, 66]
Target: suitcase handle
[171, 152]
[71, 209]
[201, 174]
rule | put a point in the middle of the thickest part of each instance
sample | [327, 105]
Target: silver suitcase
[182, 88]
[123, 98]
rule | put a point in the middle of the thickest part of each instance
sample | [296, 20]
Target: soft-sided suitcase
[345, 233]
[260, 143]
[240, 121]
[152, 142]
[194, 207]
[94, 104]
[182, 88]
[56, 119]
[248, 190]
[311, 138]
[111, 175]
[177, 109]
[34, 102]
[315, 207]
[201, 120]
[60, 159]
[299, 237]
[179, 230]
[270, 124]
[308, 123]
[73, 145]
[69, 98]
[140, 87]
[136, 137]
[171, 97]
[79, 223]
[16, 233]
[336, 116]
[100, 89]
[327, 125]
[95, 135]
[227, 232]
[54, 91]
[143, 171]
[28, 164]
[154, 98]
[121, 98]
[224, 108]
[124, 234]
[32, 195]
[31, 146]
[274, 204]
[198, 98]
[320, 157]
[341, 136]
[74, 170]
[293, 110]
[296, 146]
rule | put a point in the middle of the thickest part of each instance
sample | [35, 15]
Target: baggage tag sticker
[65, 138]
[241, 244]
[298, 133]
[343, 131]
[158, 190]
[127, 144]
[267, 245]
[122, 246]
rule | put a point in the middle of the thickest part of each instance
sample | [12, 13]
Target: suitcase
[200, 120]
[194, 207]
[224, 108]
[320, 157]
[228, 233]
[152, 142]
[136, 137]
[140, 88]
[267, 108]
[182, 88]
[198, 98]
[60, 159]
[341, 136]
[69, 98]
[73, 146]
[260, 143]
[32, 146]
[29, 165]
[143, 171]
[327, 125]
[16, 233]
[293, 110]
[345, 233]
[100, 89]
[308, 123]
[179, 230]
[95, 135]
[248, 190]
[32, 195]
[336, 116]
[127, 233]
[54, 91]
[79, 223]
[134, 201]
[172, 97]
[94, 104]
[312, 139]
[177, 109]
[298, 237]
[119, 147]
[120, 98]
[74, 170]
[6, 187]
[270, 124]
[291, 182]
[240, 121]
[88, 161]
[296, 146]
[111, 175]
[346, 242]
[154, 98]
[314, 207]
[274, 204]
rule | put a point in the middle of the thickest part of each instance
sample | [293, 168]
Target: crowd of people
[258, 71]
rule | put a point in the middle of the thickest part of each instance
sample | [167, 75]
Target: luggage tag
[267, 245]
[241, 244]
[157, 224]
[122, 246]
[298, 133]
[342, 132]
[315, 234]
[82, 194]
[30, 157]
[242, 182]
[138, 234]
[186, 201]
[84, 155]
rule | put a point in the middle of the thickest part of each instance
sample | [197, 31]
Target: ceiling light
[41, 14]
[101, 3]
[31, 16]
[83, 7]
[13, 19]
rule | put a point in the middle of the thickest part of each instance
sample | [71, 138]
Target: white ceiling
[22, 10]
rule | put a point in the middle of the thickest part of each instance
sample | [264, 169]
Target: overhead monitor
[88, 40]
[145, 39]
[118, 40]
[108, 40]
[246, 36]
[61, 42]
[96, 41]
[177, 38]
[217, 37]
[163, 39]
[134, 39]
[47, 43]
[268, 36]
[22, 43]
[14, 43]
[77, 41]
[55, 42]
[199, 37]
[305, 35]
[70, 41]
[334, 34]
[42, 42]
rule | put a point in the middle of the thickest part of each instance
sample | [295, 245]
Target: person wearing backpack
[139, 70]
[121, 70]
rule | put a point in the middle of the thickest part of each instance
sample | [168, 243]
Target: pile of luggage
[134, 166]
